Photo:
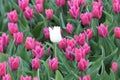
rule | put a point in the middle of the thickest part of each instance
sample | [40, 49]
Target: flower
[55, 34]
[86, 48]
[39, 8]
[35, 78]
[53, 64]
[30, 43]
[115, 6]
[114, 66]
[1, 45]
[49, 13]
[25, 78]
[6, 77]
[23, 4]
[69, 28]
[5, 39]
[46, 33]
[71, 43]
[88, 33]
[117, 32]
[87, 77]
[62, 44]
[13, 28]
[35, 64]
[2, 69]
[60, 3]
[39, 1]
[28, 13]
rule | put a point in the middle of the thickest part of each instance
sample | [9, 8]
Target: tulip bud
[46, 33]
[2, 69]
[38, 44]
[53, 64]
[117, 32]
[83, 64]
[103, 31]
[5, 39]
[60, 3]
[23, 4]
[30, 43]
[18, 38]
[13, 28]
[35, 64]
[115, 6]
[39, 8]
[86, 48]
[87, 77]
[6, 77]
[39, 1]
[71, 43]
[14, 63]
[88, 33]
[12, 16]
[35, 78]
[63, 44]
[114, 66]
[28, 13]
[25, 78]
[69, 28]
[55, 34]
[1, 45]
[86, 18]
[49, 13]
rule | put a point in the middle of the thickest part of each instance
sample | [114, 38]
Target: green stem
[55, 45]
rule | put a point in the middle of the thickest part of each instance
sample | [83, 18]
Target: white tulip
[55, 34]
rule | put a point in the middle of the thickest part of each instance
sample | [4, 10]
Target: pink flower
[83, 64]
[37, 43]
[117, 32]
[35, 78]
[81, 2]
[23, 4]
[18, 38]
[35, 64]
[71, 43]
[88, 33]
[12, 16]
[13, 28]
[6, 77]
[62, 44]
[97, 9]
[60, 3]
[28, 13]
[38, 52]
[1, 45]
[25, 78]
[87, 77]
[69, 52]
[30, 43]
[86, 18]
[5, 39]
[39, 1]
[14, 63]
[116, 7]
[2, 69]
[53, 64]
[80, 39]
[103, 31]
[49, 13]
[114, 66]
[69, 28]
[39, 8]
[46, 33]
[86, 48]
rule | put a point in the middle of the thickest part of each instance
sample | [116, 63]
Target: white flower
[55, 34]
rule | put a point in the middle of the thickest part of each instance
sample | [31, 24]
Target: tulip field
[59, 39]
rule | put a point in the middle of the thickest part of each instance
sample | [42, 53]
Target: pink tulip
[13, 28]
[6, 77]
[35, 64]
[116, 7]
[63, 44]
[39, 1]
[18, 38]
[60, 3]
[39, 8]
[81, 2]
[86, 48]
[86, 18]
[117, 32]
[38, 52]
[25, 78]
[2, 69]
[87, 77]
[71, 43]
[1, 45]
[46, 33]
[35, 78]
[114, 66]
[88, 33]
[12, 16]
[49, 13]
[14, 63]
[28, 13]
[30, 43]
[5, 39]
[69, 28]
[83, 64]
[53, 64]
[23, 4]
[103, 31]
[38, 44]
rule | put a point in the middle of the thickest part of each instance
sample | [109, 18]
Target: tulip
[12, 16]
[81, 2]
[1, 45]
[35, 78]
[86, 18]
[71, 43]
[5, 39]
[28, 13]
[49, 13]
[83, 64]
[86, 48]
[88, 33]
[30, 43]
[69, 28]
[6, 77]
[55, 34]
[35, 64]
[2, 69]
[18, 38]
[60, 3]
[114, 66]
[103, 31]
[25, 78]
[87, 77]
[39, 1]
[39, 8]
[23, 4]
[117, 32]
[46, 33]
[13, 28]
[63, 44]
[115, 6]
[53, 64]
[38, 44]
[14, 63]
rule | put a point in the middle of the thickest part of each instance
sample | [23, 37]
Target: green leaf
[62, 21]
[3, 57]
[112, 75]
[58, 76]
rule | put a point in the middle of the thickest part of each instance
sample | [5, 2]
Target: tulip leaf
[58, 76]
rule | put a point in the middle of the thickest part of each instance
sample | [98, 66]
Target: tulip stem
[55, 45]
